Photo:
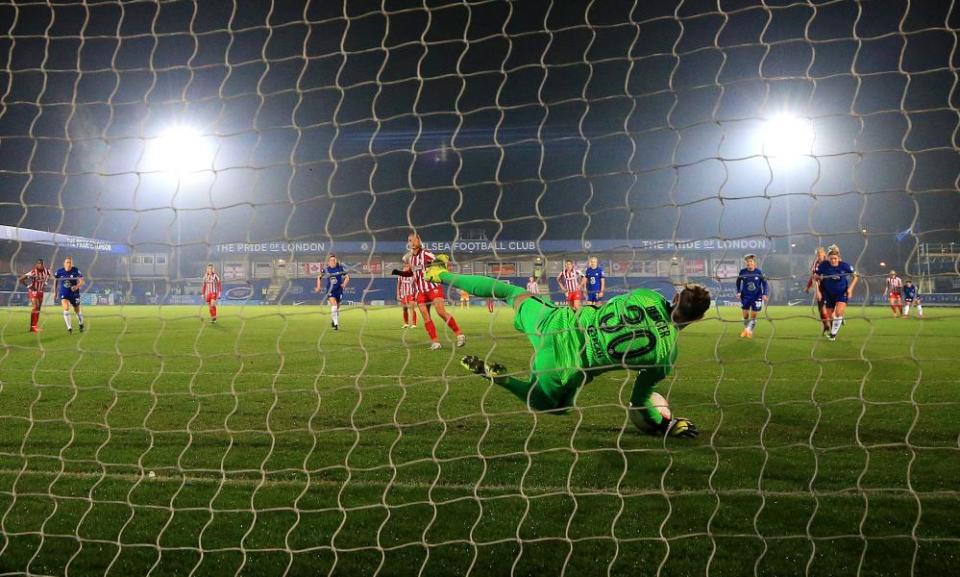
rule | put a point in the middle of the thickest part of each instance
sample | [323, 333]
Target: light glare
[181, 150]
[786, 138]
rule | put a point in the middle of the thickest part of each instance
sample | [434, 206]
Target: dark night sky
[561, 119]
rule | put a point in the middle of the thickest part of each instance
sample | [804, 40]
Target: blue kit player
[69, 280]
[911, 297]
[337, 280]
[835, 283]
[594, 282]
[753, 291]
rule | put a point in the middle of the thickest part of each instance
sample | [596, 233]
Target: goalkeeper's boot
[436, 268]
[473, 364]
[476, 366]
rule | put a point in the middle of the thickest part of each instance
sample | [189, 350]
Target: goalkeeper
[637, 330]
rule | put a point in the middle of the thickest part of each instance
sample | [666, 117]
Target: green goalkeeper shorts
[553, 333]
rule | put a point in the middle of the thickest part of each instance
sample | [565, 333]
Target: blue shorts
[593, 297]
[336, 293]
[72, 297]
[751, 304]
[830, 301]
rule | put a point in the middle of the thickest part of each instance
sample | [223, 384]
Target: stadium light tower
[784, 140]
[181, 152]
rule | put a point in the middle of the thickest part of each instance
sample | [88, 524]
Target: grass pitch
[157, 444]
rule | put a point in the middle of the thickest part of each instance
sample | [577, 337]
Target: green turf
[281, 447]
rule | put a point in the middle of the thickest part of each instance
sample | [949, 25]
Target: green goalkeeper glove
[682, 429]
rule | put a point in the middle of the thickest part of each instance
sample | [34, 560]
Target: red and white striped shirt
[211, 284]
[533, 288]
[418, 263]
[570, 280]
[38, 279]
[405, 287]
[894, 285]
[813, 271]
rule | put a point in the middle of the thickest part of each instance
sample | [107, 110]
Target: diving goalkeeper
[635, 331]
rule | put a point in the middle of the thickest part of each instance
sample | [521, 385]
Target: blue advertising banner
[491, 247]
[61, 240]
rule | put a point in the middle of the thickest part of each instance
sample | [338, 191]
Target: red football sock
[34, 317]
[489, 306]
[213, 312]
[405, 316]
[413, 313]
[431, 329]
[452, 323]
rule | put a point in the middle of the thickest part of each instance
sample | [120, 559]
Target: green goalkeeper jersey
[632, 331]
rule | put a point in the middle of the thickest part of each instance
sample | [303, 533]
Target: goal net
[301, 434]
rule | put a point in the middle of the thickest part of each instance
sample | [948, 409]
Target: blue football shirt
[593, 278]
[751, 284]
[335, 276]
[66, 280]
[834, 280]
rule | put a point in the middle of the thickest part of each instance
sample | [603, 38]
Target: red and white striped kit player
[405, 296]
[423, 288]
[36, 281]
[820, 256]
[894, 291]
[569, 280]
[211, 290]
[428, 293]
[894, 285]
[404, 288]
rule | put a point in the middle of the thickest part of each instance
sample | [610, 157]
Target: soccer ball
[637, 413]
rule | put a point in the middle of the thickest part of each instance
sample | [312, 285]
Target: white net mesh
[147, 139]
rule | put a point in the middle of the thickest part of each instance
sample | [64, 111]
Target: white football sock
[335, 314]
[906, 310]
[80, 318]
[67, 319]
[920, 310]
[837, 323]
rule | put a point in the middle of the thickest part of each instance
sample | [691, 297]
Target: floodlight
[179, 150]
[786, 138]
